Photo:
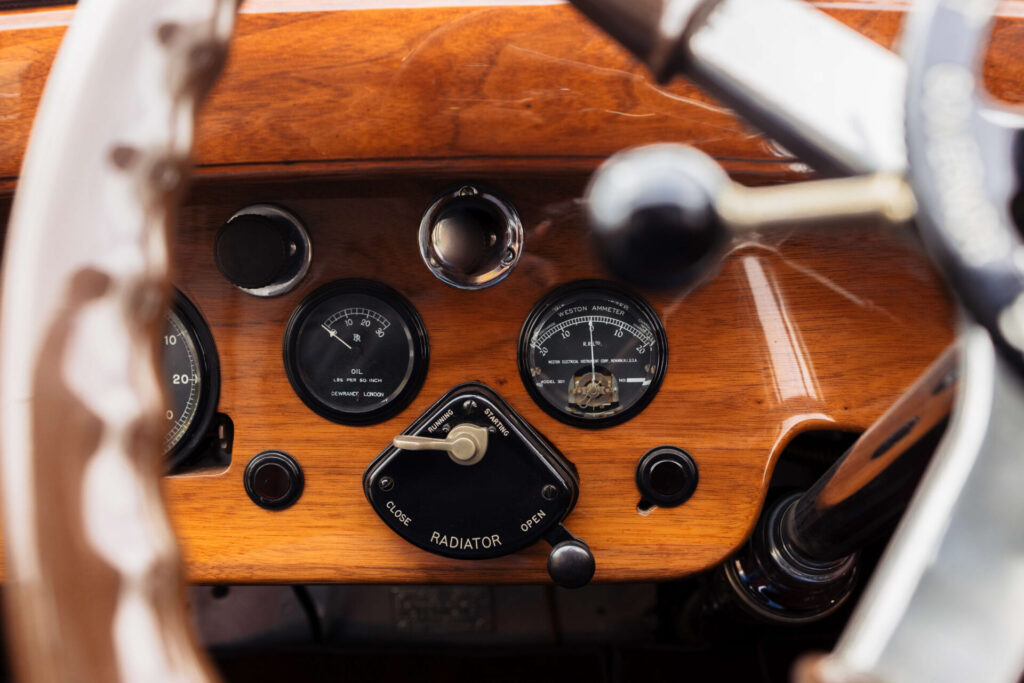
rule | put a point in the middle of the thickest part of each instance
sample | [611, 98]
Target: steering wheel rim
[94, 574]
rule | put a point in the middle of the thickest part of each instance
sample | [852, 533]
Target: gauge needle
[593, 367]
[334, 334]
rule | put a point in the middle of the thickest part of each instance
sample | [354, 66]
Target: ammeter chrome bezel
[640, 308]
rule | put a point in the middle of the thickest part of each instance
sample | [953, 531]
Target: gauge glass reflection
[355, 351]
[592, 355]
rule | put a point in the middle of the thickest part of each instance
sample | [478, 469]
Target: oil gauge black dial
[592, 354]
[356, 352]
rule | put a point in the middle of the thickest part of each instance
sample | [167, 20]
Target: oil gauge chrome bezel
[302, 336]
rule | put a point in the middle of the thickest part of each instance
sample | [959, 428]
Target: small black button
[666, 476]
[273, 480]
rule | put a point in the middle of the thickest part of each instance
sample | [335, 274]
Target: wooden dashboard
[355, 120]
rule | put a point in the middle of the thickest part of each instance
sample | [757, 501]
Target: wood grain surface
[798, 331]
[369, 114]
[415, 90]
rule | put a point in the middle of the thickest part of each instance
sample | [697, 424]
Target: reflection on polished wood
[512, 87]
[798, 331]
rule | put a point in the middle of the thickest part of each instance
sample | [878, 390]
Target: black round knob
[571, 564]
[653, 216]
[667, 476]
[253, 251]
[273, 480]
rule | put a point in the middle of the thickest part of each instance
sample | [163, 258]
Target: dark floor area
[550, 664]
[644, 633]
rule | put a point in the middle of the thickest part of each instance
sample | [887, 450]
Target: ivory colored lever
[466, 444]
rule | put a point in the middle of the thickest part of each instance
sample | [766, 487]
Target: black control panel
[472, 480]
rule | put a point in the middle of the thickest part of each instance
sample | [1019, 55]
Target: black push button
[273, 480]
[666, 476]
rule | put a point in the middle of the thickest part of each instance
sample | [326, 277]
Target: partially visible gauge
[592, 354]
[356, 352]
[191, 375]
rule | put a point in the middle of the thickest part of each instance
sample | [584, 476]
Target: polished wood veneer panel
[515, 87]
[798, 331]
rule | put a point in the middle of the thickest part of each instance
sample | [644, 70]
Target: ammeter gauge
[591, 354]
[356, 352]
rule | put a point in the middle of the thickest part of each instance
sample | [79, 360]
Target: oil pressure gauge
[356, 352]
[591, 354]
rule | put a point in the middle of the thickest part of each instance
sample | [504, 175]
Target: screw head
[385, 483]
[549, 492]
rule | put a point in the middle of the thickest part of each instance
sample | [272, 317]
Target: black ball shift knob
[652, 213]
[263, 249]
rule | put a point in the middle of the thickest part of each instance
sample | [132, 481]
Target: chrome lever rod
[828, 94]
[665, 214]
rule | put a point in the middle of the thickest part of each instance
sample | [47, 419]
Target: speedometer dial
[191, 377]
[592, 354]
[356, 352]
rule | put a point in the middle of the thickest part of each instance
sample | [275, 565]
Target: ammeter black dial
[592, 354]
[191, 376]
[356, 352]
